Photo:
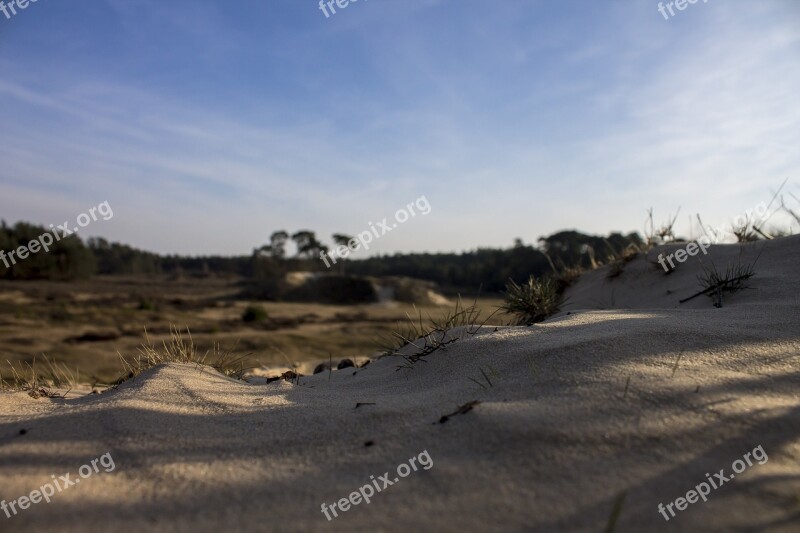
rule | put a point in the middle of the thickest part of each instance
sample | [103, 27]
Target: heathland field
[86, 326]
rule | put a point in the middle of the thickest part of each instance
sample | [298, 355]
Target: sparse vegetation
[752, 226]
[734, 279]
[716, 283]
[790, 211]
[619, 261]
[663, 234]
[41, 382]
[566, 277]
[430, 335]
[745, 231]
[494, 373]
[534, 301]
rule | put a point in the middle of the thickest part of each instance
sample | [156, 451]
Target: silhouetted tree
[307, 244]
[276, 247]
[340, 239]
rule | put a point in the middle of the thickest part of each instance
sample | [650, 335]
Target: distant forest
[71, 258]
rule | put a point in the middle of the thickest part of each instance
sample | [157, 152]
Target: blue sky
[208, 125]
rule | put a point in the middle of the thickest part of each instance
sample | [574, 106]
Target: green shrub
[146, 304]
[334, 289]
[254, 313]
[533, 301]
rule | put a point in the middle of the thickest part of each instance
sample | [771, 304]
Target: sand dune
[626, 392]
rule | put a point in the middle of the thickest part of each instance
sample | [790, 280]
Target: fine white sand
[582, 408]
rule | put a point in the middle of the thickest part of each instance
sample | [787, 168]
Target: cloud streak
[515, 120]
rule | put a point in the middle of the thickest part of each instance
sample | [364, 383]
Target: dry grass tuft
[41, 382]
[183, 350]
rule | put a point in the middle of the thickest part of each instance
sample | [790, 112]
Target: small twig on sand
[466, 408]
[616, 510]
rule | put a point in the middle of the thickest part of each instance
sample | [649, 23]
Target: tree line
[491, 268]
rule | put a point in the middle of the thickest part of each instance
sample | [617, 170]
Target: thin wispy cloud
[208, 128]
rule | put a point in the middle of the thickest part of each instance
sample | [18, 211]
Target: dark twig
[616, 511]
[464, 409]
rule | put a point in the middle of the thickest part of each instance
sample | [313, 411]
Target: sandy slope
[554, 441]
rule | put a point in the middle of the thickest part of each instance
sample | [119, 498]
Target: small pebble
[345, 363]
